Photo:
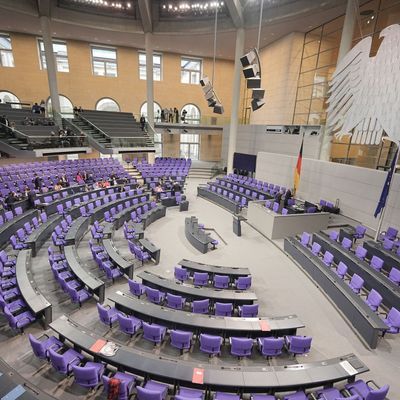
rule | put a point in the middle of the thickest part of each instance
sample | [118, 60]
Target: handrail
[91, 123]
[14, 130]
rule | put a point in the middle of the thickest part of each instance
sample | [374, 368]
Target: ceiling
[183, 36]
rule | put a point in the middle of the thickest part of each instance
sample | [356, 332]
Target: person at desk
[288, 195]
[10, 200]
[176, 187]
[278, 197]
[37, 181]
[157, 191]
[31, 196]
[58, 186]
[64, 180]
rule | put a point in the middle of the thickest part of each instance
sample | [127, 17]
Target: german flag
[297, 170]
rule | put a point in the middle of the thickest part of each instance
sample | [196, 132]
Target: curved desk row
[390, 259]
[237, 297]
[91, 282]
[225, 377]
[202, 323]
[9, 228]
[29, 291]
[235, 193]
[373, 279]
[219, 199]
[196, 236]
[233, 272]
[366, 322]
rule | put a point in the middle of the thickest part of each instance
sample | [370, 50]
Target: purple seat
[262, 397]
[153, 332]
[360, 252]
[365, 392]
[152, 391]
[128, 324]
[270, 346]
[136, 288]
[63, 362]
[41, 348]
[200, 278]
[360, 232]
[19, 321]
[78, 295]
[298, 344]
[186, 394]
[300, 395]
[392, 320]
[390, 234]
[201, 306]
[210, 344]
[175, 301]
[221, 281]
[346, 243]
[316, 248]
[89, 375]
[248, 310]
[126, 385]
[394, 276]
[18, 211]
[241, 347]
[341, 270]
[334, 235]
[243, 282]
[17, 245]
[181, 274]
[284, 211]
[107, 314]
[223, 309]
[376, 263]
[333, 394]
[226, 396]
[181, 340]
[154, 295]
[374, 300]
[356, 283]
[388, 244]
[328, 258]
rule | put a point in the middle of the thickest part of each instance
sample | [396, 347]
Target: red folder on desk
[98, 345]
[198, 375]
[264, 326]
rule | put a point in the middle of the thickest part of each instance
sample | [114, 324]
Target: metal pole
[215, 44]
[382, 216]
[149, 78]
[259, 24]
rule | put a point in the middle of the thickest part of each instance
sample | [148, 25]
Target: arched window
[157, 111]
[107, 104]
[66, 106]
[193, 114]
[8, 97]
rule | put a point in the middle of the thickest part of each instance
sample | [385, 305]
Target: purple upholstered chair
[181, 340]
[300, 395]
[305, 239]
[63, 363]
[360, 252]
[270, 346]
[200, 278]
[89, 375]
[186, 394]
[257, 396]
[243, 282]
[152, 391]
[154, 295]
[128, 324]
[356, 283]
[315, 248]
[298, 344]
[201, 306]
[41, 348]
[226, 396]
[360, 232]
[341, 270]
[388, 244]
[18, 321]
[210, 344]
[334, 235]
[390, 234]
[223, 309]
[364, 391]
[346, 243]
[181, 274]
[126, 385]
[175, 301]
[221, 281]
[107, 314]
[136, 288]
[392, 320]
[333, 394]
[376, 263]
[153, 332]
[248, 310]
[241, 347]
[374, 300]
[394, 276]
[328, 258]
[275, 207]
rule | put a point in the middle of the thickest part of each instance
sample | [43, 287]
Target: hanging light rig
[252, 70]
[207, 86]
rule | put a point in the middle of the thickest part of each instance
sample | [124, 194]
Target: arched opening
[107, 104]
[8, 97]
[66, 106]
[157, 111]
[192, 115]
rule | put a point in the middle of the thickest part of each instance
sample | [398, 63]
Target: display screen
[245, 162]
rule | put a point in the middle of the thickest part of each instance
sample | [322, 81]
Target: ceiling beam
[145, 15]
[43, 7]
[236, 12]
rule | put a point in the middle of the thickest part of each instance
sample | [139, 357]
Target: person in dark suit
[10, 200]
[37, 182]
[31, 196]
[288, 195]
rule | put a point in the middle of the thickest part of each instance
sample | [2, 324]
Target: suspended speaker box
[254, 83]
[205, 81]
[248, 58]
[218, 108]
[251, 71]
[256, 104]
[258, 94]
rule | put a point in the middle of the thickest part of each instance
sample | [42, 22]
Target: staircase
[133, 172]
[14, 146]
[201, 170]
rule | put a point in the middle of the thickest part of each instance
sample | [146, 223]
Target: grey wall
[253, 138]
[358, 189]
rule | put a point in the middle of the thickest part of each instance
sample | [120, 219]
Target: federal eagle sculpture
[364, 91]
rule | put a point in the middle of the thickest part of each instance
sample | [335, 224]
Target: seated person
[58, 186]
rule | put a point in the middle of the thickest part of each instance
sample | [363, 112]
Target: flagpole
[381, 217]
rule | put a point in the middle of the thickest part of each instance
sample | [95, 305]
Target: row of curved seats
[223, 201]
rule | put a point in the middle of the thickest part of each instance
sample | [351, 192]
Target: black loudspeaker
[253, 83]
[218, 108]
[212, 102]
[248, 58]
[251, 71]
[205, 81]
[256, 104]
[258, 94]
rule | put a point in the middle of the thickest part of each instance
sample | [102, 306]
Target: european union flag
[385, 191]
